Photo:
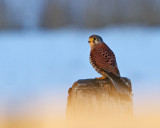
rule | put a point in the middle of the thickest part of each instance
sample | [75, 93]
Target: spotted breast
[103, 60]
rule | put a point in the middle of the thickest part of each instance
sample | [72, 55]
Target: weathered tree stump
[98, 98]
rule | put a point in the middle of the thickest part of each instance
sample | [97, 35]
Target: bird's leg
[101, 78]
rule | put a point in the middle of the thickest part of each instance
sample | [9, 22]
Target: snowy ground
[38, 67]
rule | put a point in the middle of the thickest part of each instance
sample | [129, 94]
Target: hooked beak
[90, 40]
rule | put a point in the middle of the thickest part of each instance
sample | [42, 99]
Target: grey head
[94, 40]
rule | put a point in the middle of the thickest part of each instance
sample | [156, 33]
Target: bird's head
[94, 40]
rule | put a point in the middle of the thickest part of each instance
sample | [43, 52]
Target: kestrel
[103, 60]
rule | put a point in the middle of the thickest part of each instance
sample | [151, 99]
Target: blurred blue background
[44, 49]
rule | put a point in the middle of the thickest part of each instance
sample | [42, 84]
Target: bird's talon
[100, 78]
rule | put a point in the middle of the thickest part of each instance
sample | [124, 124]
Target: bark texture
[93, 98]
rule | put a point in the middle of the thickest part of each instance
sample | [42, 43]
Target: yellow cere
[91, 39]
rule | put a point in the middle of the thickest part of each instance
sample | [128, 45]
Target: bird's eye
[94, 38]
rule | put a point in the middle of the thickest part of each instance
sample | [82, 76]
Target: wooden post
[98, 98]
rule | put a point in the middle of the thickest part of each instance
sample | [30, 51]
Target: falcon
[103, 60]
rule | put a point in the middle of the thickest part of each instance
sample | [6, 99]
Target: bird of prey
[103, 60]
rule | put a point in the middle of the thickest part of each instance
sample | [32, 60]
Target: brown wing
[104, 58]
